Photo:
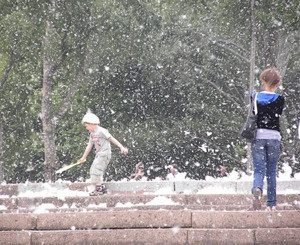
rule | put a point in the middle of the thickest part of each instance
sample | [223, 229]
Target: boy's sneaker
[271, 208]
[99, 190]
[256, 199]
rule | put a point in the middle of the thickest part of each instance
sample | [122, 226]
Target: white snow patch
[124, 205]
[47, 190]
[289, 191]
[175, 229]
[161, 200]
[4, 196]
[100, 205]
[216, 190]
[157, 201]
[177, 177]
[212, 186]
[43, 208]
[2, 207]
[65, 206]
[286, 174]
[162, 191]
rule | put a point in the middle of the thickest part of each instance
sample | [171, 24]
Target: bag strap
[254, 104]
[298, 130]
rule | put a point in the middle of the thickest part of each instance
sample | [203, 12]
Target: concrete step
[193, 201]
[139, 187]
[50, 209]
[143, 213]
[178, 236]
[154, 207]
[152, 227]
[151, 219]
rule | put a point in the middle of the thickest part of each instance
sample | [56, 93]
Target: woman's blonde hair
[270, 76]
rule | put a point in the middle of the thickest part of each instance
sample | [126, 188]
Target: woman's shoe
[256, 199]
[271, 208]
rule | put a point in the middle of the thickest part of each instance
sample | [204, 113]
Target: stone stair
[143, 213]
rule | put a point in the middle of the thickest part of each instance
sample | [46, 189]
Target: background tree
[16, 49]
[170, 79]
[64, 52]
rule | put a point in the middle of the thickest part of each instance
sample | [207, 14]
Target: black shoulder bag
[249, 129]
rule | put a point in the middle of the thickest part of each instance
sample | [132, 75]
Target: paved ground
[147, 213]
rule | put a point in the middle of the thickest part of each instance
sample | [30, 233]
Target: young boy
[100, 138]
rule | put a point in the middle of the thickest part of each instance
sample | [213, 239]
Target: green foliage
[167, 79]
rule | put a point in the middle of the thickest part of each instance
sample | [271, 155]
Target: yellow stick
[59, 171]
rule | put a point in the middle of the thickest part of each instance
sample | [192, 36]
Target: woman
[266, 146]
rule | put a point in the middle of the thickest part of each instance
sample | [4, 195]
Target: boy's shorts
[98, 168]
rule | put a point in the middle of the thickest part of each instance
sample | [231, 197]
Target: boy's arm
[88, 148]
[118, 144]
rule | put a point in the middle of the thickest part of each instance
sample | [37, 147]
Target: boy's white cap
[89, 117]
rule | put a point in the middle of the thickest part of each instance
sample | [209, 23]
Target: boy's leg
[97, 171]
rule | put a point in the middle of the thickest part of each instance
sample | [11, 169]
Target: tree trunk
[51, 63]
[270, 54]
[47, 115]
[1, 153]
[251, 78]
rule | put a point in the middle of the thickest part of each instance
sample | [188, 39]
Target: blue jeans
[265, 154]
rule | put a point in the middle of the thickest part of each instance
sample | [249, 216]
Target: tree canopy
[168, 79]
